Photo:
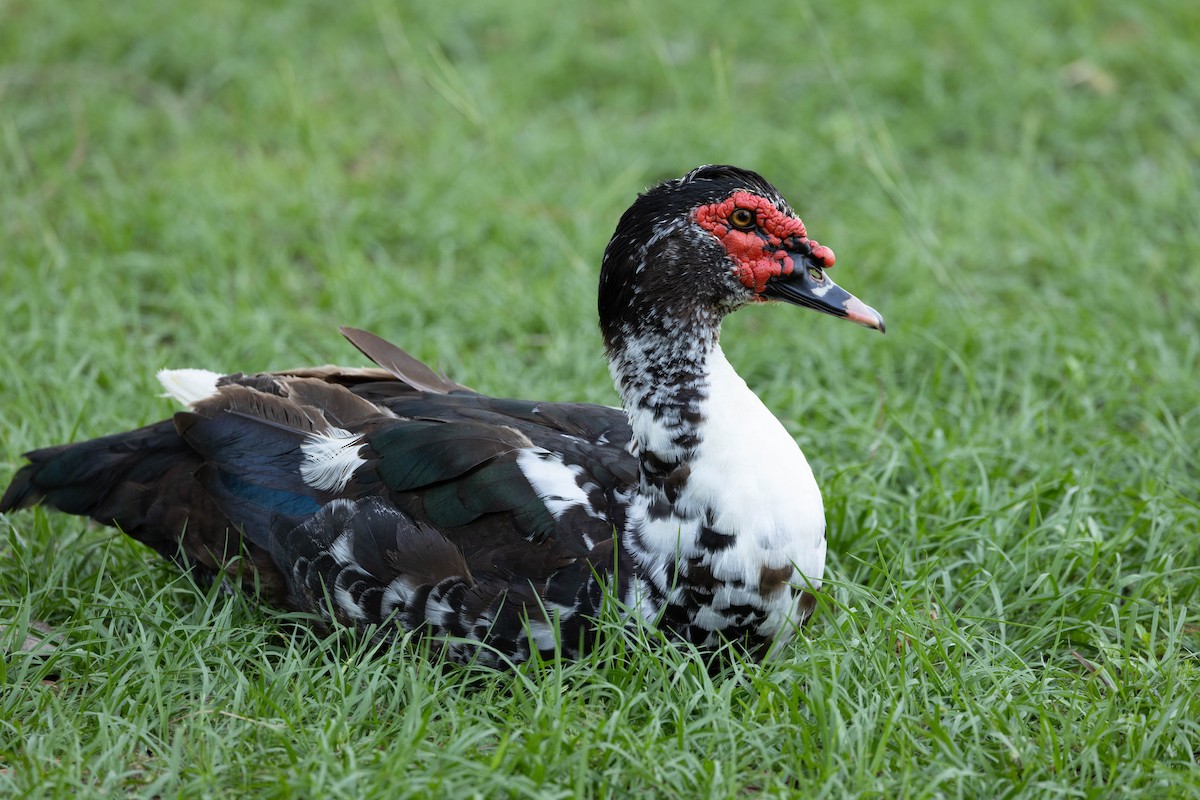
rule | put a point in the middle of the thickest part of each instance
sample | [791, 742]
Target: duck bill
[801, 289]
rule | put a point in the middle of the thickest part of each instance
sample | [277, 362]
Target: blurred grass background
[1011, 473]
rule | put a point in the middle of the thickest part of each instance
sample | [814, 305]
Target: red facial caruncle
[755, 233]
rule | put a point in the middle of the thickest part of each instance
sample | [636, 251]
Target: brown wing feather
[344, 376]
[235, 399]
[337, 404]
[400, 363]
[305, 404]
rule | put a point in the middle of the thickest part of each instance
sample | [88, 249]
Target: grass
[1011, 473]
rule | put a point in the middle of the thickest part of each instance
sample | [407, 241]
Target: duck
[394, 502]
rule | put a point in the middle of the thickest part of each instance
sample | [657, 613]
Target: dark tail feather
[144, 482]
[21, 492]
[87, 478]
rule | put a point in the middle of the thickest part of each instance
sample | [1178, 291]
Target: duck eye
[742, 218]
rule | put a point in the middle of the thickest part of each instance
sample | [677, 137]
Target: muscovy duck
[392, 499]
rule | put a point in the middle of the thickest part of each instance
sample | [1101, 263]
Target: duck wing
[395, 477]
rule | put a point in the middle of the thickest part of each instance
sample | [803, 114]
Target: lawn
[1011, 474]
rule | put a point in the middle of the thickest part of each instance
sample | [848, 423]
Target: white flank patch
[542, 634]
[330, 459]
[640, 600]
[710, 620]
[554, 482]
[188, 386]
[437, 611]
[340, 550]
[396, 594]
[345, 601]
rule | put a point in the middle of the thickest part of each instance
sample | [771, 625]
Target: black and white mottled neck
[661, 370]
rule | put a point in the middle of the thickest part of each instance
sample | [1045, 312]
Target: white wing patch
[330, 459]
[188, 386]
[556, 483]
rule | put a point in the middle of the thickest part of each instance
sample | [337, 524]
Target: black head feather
[657, 245]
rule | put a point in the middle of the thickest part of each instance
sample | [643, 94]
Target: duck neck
[664, 375]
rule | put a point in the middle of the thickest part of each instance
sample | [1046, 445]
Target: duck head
[698, 247]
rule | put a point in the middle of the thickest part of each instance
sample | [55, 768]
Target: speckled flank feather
[394, 499]
[370, 566]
